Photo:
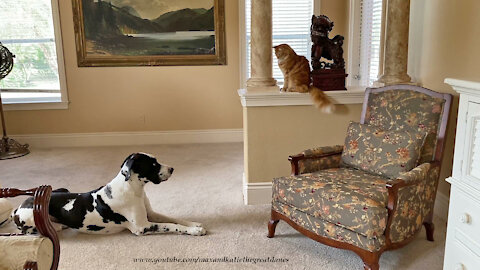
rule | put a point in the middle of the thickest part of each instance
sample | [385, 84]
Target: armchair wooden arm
[43, 224]
[30, 266]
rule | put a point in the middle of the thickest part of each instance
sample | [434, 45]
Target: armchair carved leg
[370, 260]
[429, 226]
[272, 225]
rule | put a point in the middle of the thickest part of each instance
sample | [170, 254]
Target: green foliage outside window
[27, 31]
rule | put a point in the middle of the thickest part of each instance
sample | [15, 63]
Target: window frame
[354, 43]
[39, 103]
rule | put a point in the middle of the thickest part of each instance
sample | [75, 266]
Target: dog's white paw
[197, 231]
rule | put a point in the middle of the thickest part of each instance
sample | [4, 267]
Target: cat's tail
[321, 100]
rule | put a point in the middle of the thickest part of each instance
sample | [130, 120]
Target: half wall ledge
[354, 95]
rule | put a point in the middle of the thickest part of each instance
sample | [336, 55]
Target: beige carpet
[206, 187]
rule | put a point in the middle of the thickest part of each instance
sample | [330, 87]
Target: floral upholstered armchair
[363, 197]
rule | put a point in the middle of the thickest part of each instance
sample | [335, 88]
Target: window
[366, 41]
[291, 24]
[30, 30]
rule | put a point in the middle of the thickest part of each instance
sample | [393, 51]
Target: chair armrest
[316, 159]
[412, 177]
[41, 201]
[405, 194]
[30, 266]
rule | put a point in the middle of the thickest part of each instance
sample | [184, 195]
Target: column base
[380, 84]
[261, 82]
[393, 79]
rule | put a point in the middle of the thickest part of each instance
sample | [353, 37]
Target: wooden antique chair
[343, 207]
[30, 251]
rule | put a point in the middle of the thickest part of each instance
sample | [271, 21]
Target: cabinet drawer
[461, 258]
[464, 215]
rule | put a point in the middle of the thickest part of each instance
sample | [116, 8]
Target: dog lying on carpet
[121, 204]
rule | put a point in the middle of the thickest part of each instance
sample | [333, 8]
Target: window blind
[370, 36]
[291, 25]
[27, 31]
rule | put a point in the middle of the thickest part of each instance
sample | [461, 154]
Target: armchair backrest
[408, 107]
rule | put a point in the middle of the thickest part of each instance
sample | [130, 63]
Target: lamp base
[9, 148]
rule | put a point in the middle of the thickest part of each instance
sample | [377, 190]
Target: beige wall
[141, 98]
[451, 42]
[274, 133]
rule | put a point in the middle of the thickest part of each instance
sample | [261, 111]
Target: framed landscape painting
[149, 32]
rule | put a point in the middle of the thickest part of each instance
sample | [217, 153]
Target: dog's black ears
[127, 166]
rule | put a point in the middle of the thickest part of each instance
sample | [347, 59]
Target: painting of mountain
[161, 30]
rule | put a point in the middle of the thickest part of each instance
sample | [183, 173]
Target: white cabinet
[462, 249]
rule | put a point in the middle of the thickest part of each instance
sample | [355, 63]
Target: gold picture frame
[92, 52]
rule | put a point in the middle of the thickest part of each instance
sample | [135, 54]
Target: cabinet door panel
[472, 144]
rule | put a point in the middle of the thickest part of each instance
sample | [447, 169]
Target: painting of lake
[117, 30]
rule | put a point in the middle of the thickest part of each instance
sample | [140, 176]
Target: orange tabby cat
[296, 73]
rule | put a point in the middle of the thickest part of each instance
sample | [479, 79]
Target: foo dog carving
[323, 46]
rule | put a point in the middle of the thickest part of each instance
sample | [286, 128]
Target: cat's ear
[313, 17]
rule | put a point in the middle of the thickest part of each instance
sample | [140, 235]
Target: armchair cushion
[349, 198]
[383, 152]
[328, 229]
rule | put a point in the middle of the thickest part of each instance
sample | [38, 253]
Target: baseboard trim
[131, 138]
[441, 206]
[257, 193]
[261, 193]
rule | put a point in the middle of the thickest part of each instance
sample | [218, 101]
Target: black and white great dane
[121, 204]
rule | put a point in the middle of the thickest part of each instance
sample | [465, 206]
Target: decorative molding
[464, 87]
[131, 138]
[468, 188]
[274, 98]
[261, 193]
[61, 105]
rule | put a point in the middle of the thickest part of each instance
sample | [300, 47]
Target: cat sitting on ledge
[296, 73]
